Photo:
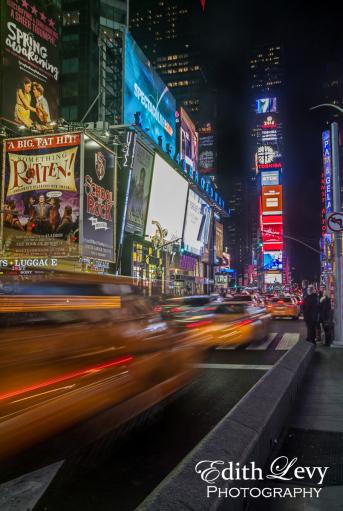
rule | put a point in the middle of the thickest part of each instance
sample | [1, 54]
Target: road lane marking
[288, 341]
[264, 345]
[234, 366]
[23, 493]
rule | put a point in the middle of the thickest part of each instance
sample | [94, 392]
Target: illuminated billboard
[326, 143]
[207, 149]
[99, 198]
[41, 203]
[139, 190]
[189, 140]
[30, 65]
[272, 260]
[266, 105]
[273, 278]
[272, 200]
[219, 231]
[197, 224]
[270, 177]
[147, 100]
[272, 232]
[167, 205]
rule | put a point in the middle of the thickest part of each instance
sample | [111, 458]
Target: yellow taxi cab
[74, 346]
[284, 306]
[227, 322]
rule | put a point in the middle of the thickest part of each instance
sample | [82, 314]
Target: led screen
[198, 220]
[272, 233]
[273, 278]
[147, 97]
[167, 204]
[188, 141]
[207, 149]
[272, 199]
[266, 105]
[272, 261]
[270, 177]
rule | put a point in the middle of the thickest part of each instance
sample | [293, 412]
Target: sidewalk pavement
[315, 434]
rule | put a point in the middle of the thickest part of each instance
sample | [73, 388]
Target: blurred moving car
[227, 322]
[284, 306]
[73, 346]
[189, 304]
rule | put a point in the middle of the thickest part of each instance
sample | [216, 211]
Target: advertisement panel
[270, 177]
[207, 150]
[41, 196]
[147, 100]
[266, 105]
[272, 233]
[99, 202]
[189, 140]
[197, 224]
[326, 143]
[273, 278]
[271, 200]
[139, 190]
[30, 90]
[219, 239]
[272, 260]
[268, 156]
[167, 204]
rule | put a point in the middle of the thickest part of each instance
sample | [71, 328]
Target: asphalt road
[117, 473]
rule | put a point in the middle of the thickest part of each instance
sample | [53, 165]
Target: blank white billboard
[167, 204]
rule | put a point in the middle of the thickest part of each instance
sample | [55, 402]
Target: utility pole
[338, 342]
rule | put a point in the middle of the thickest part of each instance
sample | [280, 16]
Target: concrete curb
[247, 433]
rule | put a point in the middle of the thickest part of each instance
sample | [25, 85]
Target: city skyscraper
[92, 41]
[164, 32]
[266, 244]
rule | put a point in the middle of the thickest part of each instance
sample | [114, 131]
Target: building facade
[267, 241]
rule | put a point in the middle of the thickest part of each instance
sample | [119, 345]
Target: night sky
[311, 39]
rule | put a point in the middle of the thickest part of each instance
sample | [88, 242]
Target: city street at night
[119, 471]
[171, 255]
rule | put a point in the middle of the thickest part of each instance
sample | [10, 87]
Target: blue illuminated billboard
[272, 261]
[266, 105]
[270, 177]
[147, 100]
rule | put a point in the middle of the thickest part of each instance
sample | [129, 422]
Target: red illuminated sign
[271, 199]
[272, 233]
[269, 165]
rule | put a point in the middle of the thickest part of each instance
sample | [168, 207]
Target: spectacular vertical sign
[326, 143]
[30, 64]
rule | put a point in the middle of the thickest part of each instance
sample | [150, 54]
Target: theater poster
[99, 205]
[139, 191]
[30, 63]
[41, 196]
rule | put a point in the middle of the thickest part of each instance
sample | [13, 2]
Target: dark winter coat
[325, 312]
[311, 308]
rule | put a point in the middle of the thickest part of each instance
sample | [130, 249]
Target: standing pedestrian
[311, 313]
[325, 316]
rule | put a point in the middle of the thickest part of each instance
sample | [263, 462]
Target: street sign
[335, 222]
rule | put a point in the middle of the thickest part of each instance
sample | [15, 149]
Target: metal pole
[338, 342]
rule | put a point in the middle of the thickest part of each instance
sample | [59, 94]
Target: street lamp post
[338, 342]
